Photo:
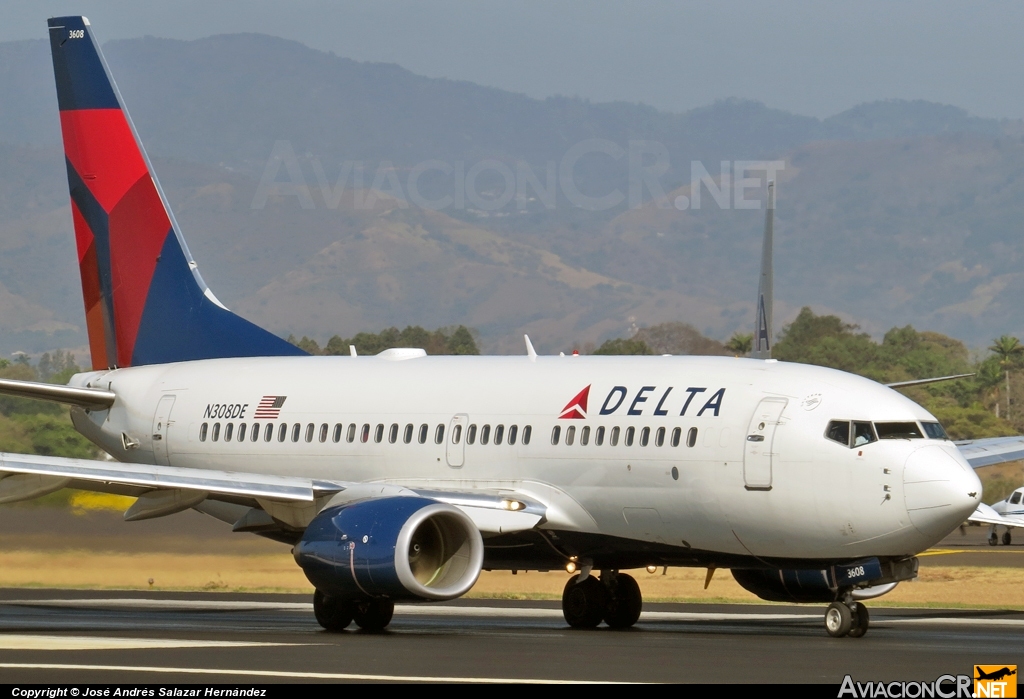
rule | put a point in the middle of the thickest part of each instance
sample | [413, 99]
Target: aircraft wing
[995, 450]
[986, 515]
[164, 490]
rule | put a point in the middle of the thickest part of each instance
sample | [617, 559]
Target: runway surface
[58, 636]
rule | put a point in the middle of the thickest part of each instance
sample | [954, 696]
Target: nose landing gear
[846, 618]
[615, 598]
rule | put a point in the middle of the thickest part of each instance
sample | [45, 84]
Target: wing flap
[106, 473]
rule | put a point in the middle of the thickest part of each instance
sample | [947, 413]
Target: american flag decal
[269, 407]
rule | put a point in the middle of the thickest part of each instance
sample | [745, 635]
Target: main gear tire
[332, 613]
[624, 602]
[373, 615]
[585, 603]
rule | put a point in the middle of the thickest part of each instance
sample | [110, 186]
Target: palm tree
[740, 343]
[1009, 351]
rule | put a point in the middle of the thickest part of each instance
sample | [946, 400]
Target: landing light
[513, 505]
[570, 567]
[652, 569]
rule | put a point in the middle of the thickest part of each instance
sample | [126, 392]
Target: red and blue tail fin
[145, 302]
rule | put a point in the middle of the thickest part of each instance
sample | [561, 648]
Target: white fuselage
[756, 482]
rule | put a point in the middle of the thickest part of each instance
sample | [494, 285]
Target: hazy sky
[815, 58]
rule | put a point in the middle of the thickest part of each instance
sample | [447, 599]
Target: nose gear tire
[838, 620]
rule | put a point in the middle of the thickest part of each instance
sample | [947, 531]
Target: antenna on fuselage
[762, 345]
[530, 351]
[352, 351]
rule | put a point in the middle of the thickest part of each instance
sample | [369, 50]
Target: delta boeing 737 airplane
[399, 477]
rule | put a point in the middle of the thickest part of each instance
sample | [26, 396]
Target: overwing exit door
[456, 441]
[758, 454]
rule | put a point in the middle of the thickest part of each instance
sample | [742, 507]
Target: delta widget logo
[576, 409]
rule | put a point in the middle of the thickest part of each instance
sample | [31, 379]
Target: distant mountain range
[890, 213]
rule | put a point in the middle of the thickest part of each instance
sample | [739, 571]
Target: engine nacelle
[409, 548]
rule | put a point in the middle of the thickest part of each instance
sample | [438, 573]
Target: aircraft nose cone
[940, 489]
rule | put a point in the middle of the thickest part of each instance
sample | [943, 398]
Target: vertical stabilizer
[145, 302]
[762, 345]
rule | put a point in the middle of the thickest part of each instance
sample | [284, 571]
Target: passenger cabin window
[556, 432]
[324, 428]
[255, 432]
[677, 435]
[599, 436]
[863, 434]
[407, 435]
[471, 434]
[645, 436]
[439, 435]
[485, 434]
[839, 431]
[527, 432]
[934, 430]
[216, 431]
[378, 434]
[1015, 498]
[898, 430]
[228, 429]
[336, 435]
[268, 432]
[691, 437]
[310, 429]
[513, 432]
[499, 433]
[241, 432]
[585, 436]
[364, 434]
[630, 431]
[350, 435]
[570, 434]
[613, 439]
[393, 433]
[202, 432]
[424, 429]
[296, 431]
[659, 437]
[456, 434]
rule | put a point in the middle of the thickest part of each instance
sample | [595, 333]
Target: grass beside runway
[969, 586]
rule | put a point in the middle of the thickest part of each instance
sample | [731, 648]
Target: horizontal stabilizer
[922, 382]
[92, 398]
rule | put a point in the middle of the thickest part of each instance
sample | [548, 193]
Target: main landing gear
[993, 537]
[846, 618]
[614, 598]
[336, 613]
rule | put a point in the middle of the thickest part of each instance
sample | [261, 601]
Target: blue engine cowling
[409, 548]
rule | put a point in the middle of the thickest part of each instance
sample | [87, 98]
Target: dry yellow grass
[951, 586]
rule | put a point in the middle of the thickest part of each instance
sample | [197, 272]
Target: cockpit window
[839, 431]
[934, 430]
[863, 434]
[1015, 498]
[898, 430]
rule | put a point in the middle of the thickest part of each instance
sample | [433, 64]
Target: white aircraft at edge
[398, 477]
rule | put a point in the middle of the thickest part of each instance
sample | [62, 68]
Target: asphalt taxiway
[102, 637]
